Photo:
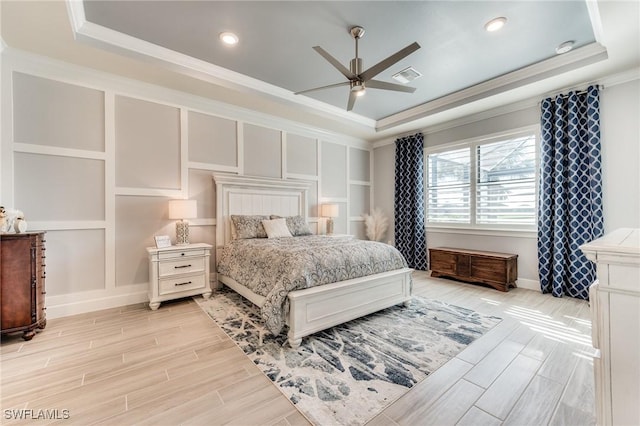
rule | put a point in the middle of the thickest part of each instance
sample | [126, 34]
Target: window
[484, 184]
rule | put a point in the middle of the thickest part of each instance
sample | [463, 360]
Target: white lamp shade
[330, 210]
[183, 209]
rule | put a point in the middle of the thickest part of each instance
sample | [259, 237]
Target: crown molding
[586, 55]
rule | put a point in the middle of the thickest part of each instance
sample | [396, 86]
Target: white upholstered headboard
[249, 195]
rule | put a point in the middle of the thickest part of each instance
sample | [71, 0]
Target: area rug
[348, 374]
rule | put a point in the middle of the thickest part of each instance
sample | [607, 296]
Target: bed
[307, 310]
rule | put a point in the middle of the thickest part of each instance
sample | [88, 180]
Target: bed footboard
[322, 307]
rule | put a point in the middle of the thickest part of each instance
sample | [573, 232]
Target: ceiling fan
[358, 80]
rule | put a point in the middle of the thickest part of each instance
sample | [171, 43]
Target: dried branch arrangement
[376, 224]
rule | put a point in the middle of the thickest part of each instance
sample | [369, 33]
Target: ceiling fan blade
[352, 100]
[333, 61]
[377, 84]
[344, 83]
[386, 63]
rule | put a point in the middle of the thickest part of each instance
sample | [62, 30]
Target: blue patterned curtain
[409, 201]
[570, 201]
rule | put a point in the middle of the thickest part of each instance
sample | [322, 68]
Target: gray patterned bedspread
[272, 267]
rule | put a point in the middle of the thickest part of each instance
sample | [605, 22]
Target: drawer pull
[177, 284]
[182, 266]
[182, 254]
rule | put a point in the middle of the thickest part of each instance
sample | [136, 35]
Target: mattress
[272, 267]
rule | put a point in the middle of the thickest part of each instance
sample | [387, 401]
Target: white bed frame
[316, 308]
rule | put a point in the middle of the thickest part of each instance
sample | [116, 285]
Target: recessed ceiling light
[229, 38]
[564, 47]
[495, 24]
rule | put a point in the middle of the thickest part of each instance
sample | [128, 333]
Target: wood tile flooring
[172, 366]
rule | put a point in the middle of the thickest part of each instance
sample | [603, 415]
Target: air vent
[406, 75]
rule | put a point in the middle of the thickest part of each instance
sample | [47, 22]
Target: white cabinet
[178, 271]
[615, 315]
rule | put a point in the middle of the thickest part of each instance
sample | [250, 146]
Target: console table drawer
[181, 266]
[181, 283]
[179, 254]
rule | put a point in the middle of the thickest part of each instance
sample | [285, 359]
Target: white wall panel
[138, 220]
[359, 165]
[302, 155]
[212, 140]
[147, 144]
[48, 112]
[203, 190]
[54, 188]
[74, 261]
[262, 151]
[334, 170]
[358, 200]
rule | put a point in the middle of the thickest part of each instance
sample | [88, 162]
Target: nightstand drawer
[179, 254]
[181, 266]
[182, 283]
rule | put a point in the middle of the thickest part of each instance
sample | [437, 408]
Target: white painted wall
[620, 133]
[620, 130]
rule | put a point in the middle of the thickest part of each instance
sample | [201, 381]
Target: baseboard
[528, 284]
[96, 300]
[524, 283]
[80, 303]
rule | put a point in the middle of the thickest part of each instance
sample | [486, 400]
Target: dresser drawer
[181, 283]
[185, 265]
[179, 254]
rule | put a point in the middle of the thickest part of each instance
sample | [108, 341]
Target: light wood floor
[175, 366]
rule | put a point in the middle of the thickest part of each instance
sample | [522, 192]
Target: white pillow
[276, 228]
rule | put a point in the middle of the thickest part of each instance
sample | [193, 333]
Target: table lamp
[330, 211]
[182, 209]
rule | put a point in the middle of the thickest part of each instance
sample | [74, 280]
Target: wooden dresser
[498, 270]
[22, 276]
[615, 326]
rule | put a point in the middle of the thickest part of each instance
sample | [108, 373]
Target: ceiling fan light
[495, 24]
[358, 89]
[229, 38]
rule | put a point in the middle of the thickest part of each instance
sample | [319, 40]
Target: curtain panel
[409, 201]
[570, 193]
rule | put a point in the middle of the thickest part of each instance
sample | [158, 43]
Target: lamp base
[329, 226]
[182, 233]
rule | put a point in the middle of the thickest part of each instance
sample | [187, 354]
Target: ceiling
[464, 68]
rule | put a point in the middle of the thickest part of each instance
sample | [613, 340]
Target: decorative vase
[20, 226]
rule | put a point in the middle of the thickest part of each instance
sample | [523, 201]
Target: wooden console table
[498, 270]
[22, 277]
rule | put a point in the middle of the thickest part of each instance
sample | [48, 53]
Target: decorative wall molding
[117, 293]
[45, 67]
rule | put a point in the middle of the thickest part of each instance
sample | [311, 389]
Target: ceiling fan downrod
[356, 63]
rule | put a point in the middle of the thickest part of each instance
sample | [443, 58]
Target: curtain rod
[578, 91]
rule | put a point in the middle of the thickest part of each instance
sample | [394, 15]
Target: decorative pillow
[249, 226]
[297, 225]
[276, 228]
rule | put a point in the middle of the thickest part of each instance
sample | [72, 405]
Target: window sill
[503, 232]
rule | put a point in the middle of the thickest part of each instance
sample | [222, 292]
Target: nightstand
[178, 271]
